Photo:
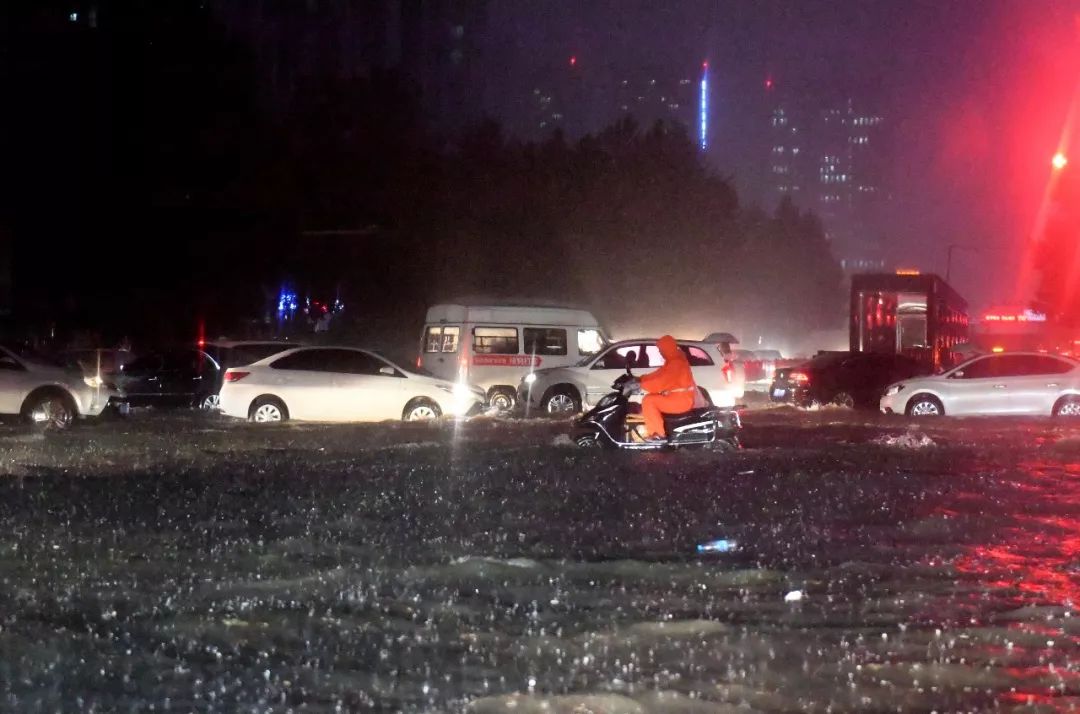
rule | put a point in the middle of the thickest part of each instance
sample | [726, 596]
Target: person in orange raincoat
[669, 390]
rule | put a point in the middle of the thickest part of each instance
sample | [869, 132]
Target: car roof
[653, 340]
[226, 344]
[1065, 358]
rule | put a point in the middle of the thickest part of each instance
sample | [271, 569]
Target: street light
[1059, 161]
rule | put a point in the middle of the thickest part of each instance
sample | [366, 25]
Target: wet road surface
[170, 561]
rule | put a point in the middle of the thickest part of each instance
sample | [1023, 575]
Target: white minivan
[494, 346]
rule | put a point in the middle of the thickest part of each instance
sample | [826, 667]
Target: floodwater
[171, 562]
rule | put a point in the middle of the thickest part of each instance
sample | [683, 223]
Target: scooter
[617, 423]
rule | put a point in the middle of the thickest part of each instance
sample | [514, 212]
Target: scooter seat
[673, 421]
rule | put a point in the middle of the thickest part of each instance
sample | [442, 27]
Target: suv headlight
[894, 389]
[94, 382]
[530, 378]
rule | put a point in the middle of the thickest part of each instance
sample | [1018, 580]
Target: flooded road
[175, 562]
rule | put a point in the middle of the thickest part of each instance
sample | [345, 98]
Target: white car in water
[567, 390]
[340, 384]
[48, 393]
[1007, 383]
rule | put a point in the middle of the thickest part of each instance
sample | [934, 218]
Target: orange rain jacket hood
[675, 375]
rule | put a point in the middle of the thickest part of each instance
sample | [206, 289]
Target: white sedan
[339, 384]
[1009, 383]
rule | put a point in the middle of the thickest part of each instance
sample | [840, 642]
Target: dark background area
[172, 165]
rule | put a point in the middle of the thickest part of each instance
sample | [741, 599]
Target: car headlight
[463, 391]
[94, 382]
[894, 389]
[530, 378]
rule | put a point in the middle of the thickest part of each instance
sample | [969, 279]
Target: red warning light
[573, 60]
[768, 83]
[705, 64]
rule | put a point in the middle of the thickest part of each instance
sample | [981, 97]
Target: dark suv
[851, 379]
[189, 376]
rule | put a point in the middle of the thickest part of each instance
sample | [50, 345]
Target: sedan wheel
[210, 402]
[267, 412]
[422, 410]
[1069, 408]
[52, 412]
[925, 406]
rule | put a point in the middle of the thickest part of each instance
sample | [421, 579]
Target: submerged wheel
[50, 409]
[267, 410]
[421, 410]
[925, 405]
[502, 398]
[1067, 407]
[844, 399]
[561, 401]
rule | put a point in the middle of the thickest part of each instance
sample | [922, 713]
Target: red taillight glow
[419, 361]
[729, 371]
[232, 376]
[800, 377]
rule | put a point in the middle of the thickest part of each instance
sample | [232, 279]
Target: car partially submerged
[1031, 383]
[568, 390]
[340, 384]
[46, 392]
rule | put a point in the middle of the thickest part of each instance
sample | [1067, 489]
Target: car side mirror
[388, 371]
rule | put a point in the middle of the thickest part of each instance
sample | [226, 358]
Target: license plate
[779, 393]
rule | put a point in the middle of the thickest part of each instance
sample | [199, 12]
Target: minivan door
[441, 354]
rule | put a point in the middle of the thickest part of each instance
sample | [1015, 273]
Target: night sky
[976, 93]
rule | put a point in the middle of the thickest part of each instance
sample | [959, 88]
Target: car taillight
[800, 377]
[729, 371]
[419, 361]
[232, 376]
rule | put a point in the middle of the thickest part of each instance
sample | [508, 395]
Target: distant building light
[73, 17]
[907, 271]
[703, 129]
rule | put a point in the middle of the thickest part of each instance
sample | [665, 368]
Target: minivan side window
[589, 342]
[544, 341]
[495, 341]
[441, 338]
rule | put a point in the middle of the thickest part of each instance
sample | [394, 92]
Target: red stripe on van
[506, 361]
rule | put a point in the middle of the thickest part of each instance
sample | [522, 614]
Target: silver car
[567, 390]
[46, 392]
[1007, 383]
